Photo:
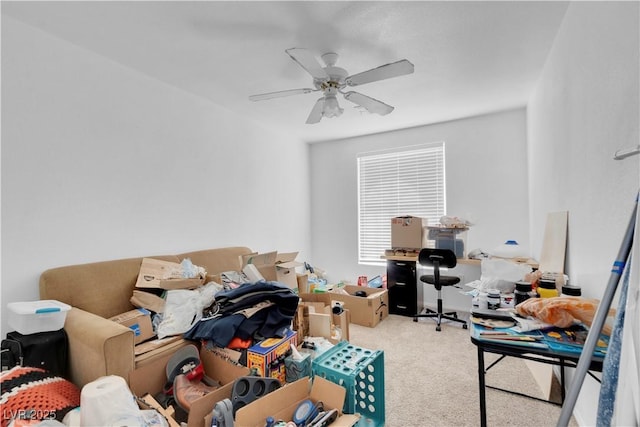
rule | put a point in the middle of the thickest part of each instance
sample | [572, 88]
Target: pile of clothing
[252, 311]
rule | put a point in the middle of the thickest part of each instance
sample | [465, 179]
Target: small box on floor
[268, 355]
[369, 309]
[297, 366]
[319, 316]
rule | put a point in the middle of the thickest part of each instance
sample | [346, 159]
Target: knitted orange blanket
[30, 395]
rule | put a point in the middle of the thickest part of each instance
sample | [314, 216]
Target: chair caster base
[464, 326]
[438, 328]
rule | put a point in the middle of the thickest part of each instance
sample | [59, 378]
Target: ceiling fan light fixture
[331, 80]
[331, 107]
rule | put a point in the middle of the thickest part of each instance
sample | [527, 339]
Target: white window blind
[408, 181]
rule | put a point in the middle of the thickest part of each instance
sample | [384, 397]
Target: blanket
[32, 394]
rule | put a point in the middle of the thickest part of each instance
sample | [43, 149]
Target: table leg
[481, 384]
[562, 380]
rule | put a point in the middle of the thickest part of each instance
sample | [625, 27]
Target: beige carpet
[431, 378]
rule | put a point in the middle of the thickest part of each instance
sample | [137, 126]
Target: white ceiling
[470, 57]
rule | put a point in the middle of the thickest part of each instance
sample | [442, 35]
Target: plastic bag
[564, 311]
[185, 270]
[183, 308]
[503, 270]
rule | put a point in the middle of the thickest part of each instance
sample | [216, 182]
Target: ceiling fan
[331, 80]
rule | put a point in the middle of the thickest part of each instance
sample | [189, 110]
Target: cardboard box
[303, 283]
[315, 318]
[153, 272]
[262, 354]
[366, 311]
[275, 267]
[150, 356]
[155, 345]
[406, 232]
[297, 368]
[282, 403]
[151, 378]
[139, 321]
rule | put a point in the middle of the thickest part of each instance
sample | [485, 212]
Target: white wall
[486, 180]
[100, 162]
[584, 108]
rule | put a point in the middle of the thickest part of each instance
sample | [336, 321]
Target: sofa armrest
[97, 347]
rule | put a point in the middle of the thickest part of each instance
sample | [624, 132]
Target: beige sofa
[98, 291]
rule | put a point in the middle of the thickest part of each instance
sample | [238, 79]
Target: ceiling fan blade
[316, 112]
[370, 104]
[382, 72]
[307, 61]
[280, 94]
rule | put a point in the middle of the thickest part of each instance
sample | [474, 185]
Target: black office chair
[439, 258]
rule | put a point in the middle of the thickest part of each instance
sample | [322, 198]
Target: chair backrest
[445, 257]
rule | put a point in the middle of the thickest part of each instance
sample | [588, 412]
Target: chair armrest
[97, 347]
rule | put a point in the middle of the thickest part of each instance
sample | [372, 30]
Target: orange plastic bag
[564, 311]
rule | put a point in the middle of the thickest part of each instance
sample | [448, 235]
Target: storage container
[571, 291]
[547, 288]
[493, 299]
[452, 238]
[361, 373]
[523, 292]
[31, 317]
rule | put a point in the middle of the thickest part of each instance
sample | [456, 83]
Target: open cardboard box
[274, 266]
[315, 317]
[153, 271]
[282, 403]
[151, 378]
[366, 311]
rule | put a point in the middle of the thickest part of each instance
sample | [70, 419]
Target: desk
[464, 261]
[406, 293]
[537, 352]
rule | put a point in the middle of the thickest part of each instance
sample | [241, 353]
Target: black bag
[46, 350]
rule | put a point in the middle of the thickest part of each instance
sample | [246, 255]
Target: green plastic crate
[361, 373]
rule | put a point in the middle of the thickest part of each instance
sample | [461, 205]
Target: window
[407, 181]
